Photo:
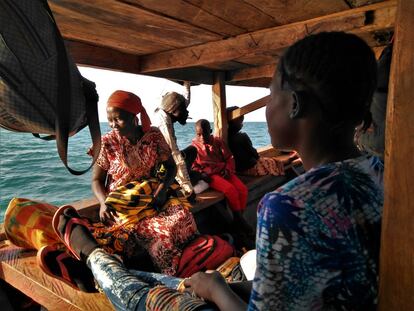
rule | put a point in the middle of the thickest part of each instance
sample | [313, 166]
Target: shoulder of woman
[109, 137]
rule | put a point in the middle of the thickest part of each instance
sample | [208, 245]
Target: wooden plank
[236, 12]
[195, 75]
[397, 240]
[265, 58]
[19, 268]
[285, 12]
[359, 3]
[219, 106]
[79, 27]
[190, 14]
[249, 108]
[251, 73]
[225, 66]
[129, 23]
[99, 57]
[259, 82]
[110, 59]
[267, 40]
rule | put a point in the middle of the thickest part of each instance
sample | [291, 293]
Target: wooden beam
[259, 82]
[358, 3]
[104, 58]
[219, 106]
[248, 108]
[195, 75]
[100, 57]
[267, 40]
[251, 73]
[397, 240]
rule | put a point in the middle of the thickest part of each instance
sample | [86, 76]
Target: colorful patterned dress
[164, 233]
[318, 240]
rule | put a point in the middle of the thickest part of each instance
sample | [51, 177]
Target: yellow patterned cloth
[28, 223]
[133, 201]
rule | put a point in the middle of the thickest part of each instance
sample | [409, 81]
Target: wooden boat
[238, 42]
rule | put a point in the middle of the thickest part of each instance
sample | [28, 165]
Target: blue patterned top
[318, 239]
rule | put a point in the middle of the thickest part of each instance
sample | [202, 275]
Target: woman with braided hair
[318, 235]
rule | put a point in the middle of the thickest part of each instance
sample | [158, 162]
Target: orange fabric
[28, 223]
[132, 103]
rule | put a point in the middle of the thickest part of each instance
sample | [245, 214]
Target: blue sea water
[31, 168]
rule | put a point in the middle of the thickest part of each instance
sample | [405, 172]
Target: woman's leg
[230, 192]
[124, 289]
[128, 290]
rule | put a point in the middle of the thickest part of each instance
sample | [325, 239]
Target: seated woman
[318, 236]
[130, 153]
[248, 161]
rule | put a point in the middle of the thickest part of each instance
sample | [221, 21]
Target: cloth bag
[206, 252]
[41, 89]
[28, 223]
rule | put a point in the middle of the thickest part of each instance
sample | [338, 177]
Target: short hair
[203, 123]
[338, 70]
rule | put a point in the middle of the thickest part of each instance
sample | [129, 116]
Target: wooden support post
[397, 240]
[219, 106]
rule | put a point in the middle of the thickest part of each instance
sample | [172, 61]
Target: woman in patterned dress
[318, 235]
[133, 152]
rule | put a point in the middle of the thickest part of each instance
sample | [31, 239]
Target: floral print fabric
[125, 161]
[318, 240]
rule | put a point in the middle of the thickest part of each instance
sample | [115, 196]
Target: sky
[151, 89]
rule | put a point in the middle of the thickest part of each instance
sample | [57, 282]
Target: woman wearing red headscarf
[132, 189]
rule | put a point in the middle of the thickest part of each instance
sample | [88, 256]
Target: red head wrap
[132, 103]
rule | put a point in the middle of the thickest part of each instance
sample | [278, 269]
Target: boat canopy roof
[190, 40]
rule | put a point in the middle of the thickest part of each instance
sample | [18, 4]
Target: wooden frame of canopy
[213, 46]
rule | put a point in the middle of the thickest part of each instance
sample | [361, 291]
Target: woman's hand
[213, 287]
[205, 285]
[107, 215]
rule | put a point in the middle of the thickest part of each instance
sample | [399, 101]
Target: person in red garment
[216, 163]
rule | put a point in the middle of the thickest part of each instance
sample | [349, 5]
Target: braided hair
[336, 70]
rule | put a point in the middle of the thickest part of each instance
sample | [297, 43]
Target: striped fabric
[27, 223]
[167, 299]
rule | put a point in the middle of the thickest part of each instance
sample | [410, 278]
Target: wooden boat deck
[18, 267]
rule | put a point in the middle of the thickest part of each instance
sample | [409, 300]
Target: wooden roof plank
[285, 12]
[77, 27]
[190, 14]
[248, 17]
[264, 40]
[133, 20]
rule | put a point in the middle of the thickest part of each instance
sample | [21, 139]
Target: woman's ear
[297, 106]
